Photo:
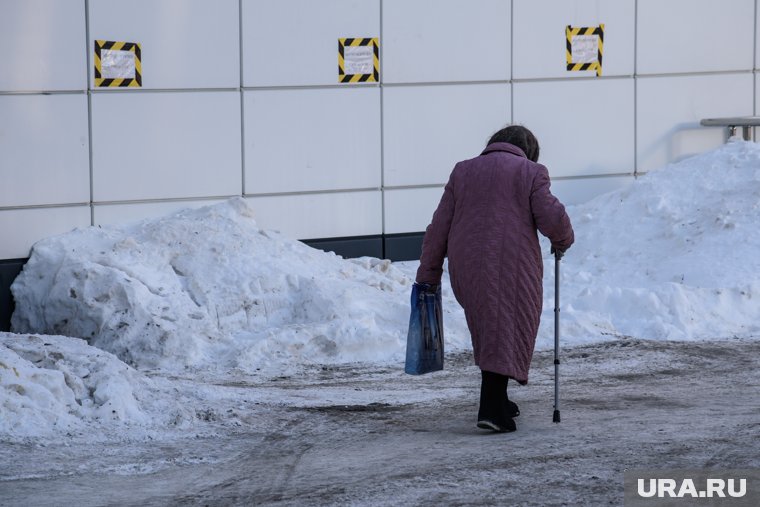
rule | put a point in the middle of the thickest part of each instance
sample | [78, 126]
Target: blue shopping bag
[424, 342]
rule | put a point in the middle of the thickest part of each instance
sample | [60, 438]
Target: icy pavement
[374, 437]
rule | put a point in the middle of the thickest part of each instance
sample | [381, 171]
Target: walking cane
[557, 257]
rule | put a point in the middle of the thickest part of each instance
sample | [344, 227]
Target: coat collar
[509, 148]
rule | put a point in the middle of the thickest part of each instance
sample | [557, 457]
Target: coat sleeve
[549, 214]
[434, 244]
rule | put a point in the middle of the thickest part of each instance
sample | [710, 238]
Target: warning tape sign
[584, 48]
[117, 64]
[358, 60]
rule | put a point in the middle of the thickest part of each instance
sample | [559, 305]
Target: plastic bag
[424, 342]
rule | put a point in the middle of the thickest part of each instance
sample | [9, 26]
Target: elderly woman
[486, 223]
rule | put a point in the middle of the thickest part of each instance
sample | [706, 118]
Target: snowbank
[207, 288]
[53, 384]
[673, 256]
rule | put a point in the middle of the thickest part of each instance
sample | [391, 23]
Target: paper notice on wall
[117, 64]
[585, 49]
[358, 59]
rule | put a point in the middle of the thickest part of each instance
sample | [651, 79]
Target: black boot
[494, 413]
[512, 409]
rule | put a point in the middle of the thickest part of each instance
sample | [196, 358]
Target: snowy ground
[355, 435]
[228, 364]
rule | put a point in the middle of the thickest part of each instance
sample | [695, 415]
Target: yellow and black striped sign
[115, 66]
[356, 64]
[586, 33]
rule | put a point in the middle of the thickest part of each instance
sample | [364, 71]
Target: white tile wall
[428, 129]
[44, 153]
[21, 228]
[757, 36]
[295, 42]
[410, 209]
[757, 105]
[540, 39]
[165, 145]
[184, 43]
[150, 145]
[583, 127]
[445, 40]
[115, 214]
[306, 140]
[42, 45]
[670, 108]
[694, 35]
[315, 216]
[578, 191]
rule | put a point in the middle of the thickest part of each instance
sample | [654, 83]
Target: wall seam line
[512, 62]
[295, 193]
[635, 89]
[754, 74]
[45, 206]
[382, 130]
[242, 101]
[89, 108]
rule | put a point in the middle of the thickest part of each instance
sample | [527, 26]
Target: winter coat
[486, 223]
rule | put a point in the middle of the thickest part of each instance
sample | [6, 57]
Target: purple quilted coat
[486, 223]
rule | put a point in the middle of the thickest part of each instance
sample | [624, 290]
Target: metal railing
[745, 122]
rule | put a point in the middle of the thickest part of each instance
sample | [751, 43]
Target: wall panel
[44, 153]
[757, 34]
[446, 40]
[694, 36]
[185, 43]
[540, 39]
[312, 216]
[295, 42]
[42, 45]
[307, 140]
[583, 127]
[669, 110]
[115, 214]
[21, 228]
[165, 145]
[757, 105]
[428, 129]
[410, 209]
[581, 190]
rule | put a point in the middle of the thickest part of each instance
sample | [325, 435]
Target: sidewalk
[336, 437]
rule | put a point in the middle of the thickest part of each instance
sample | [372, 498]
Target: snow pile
[207, 288]
[673, 256]
[54, 384]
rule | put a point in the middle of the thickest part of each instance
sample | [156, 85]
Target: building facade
[244, 98]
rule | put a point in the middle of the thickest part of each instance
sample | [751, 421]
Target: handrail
[745, 122]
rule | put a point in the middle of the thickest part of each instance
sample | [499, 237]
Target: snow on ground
[207, 288]
[57, 384]
[207, 294]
